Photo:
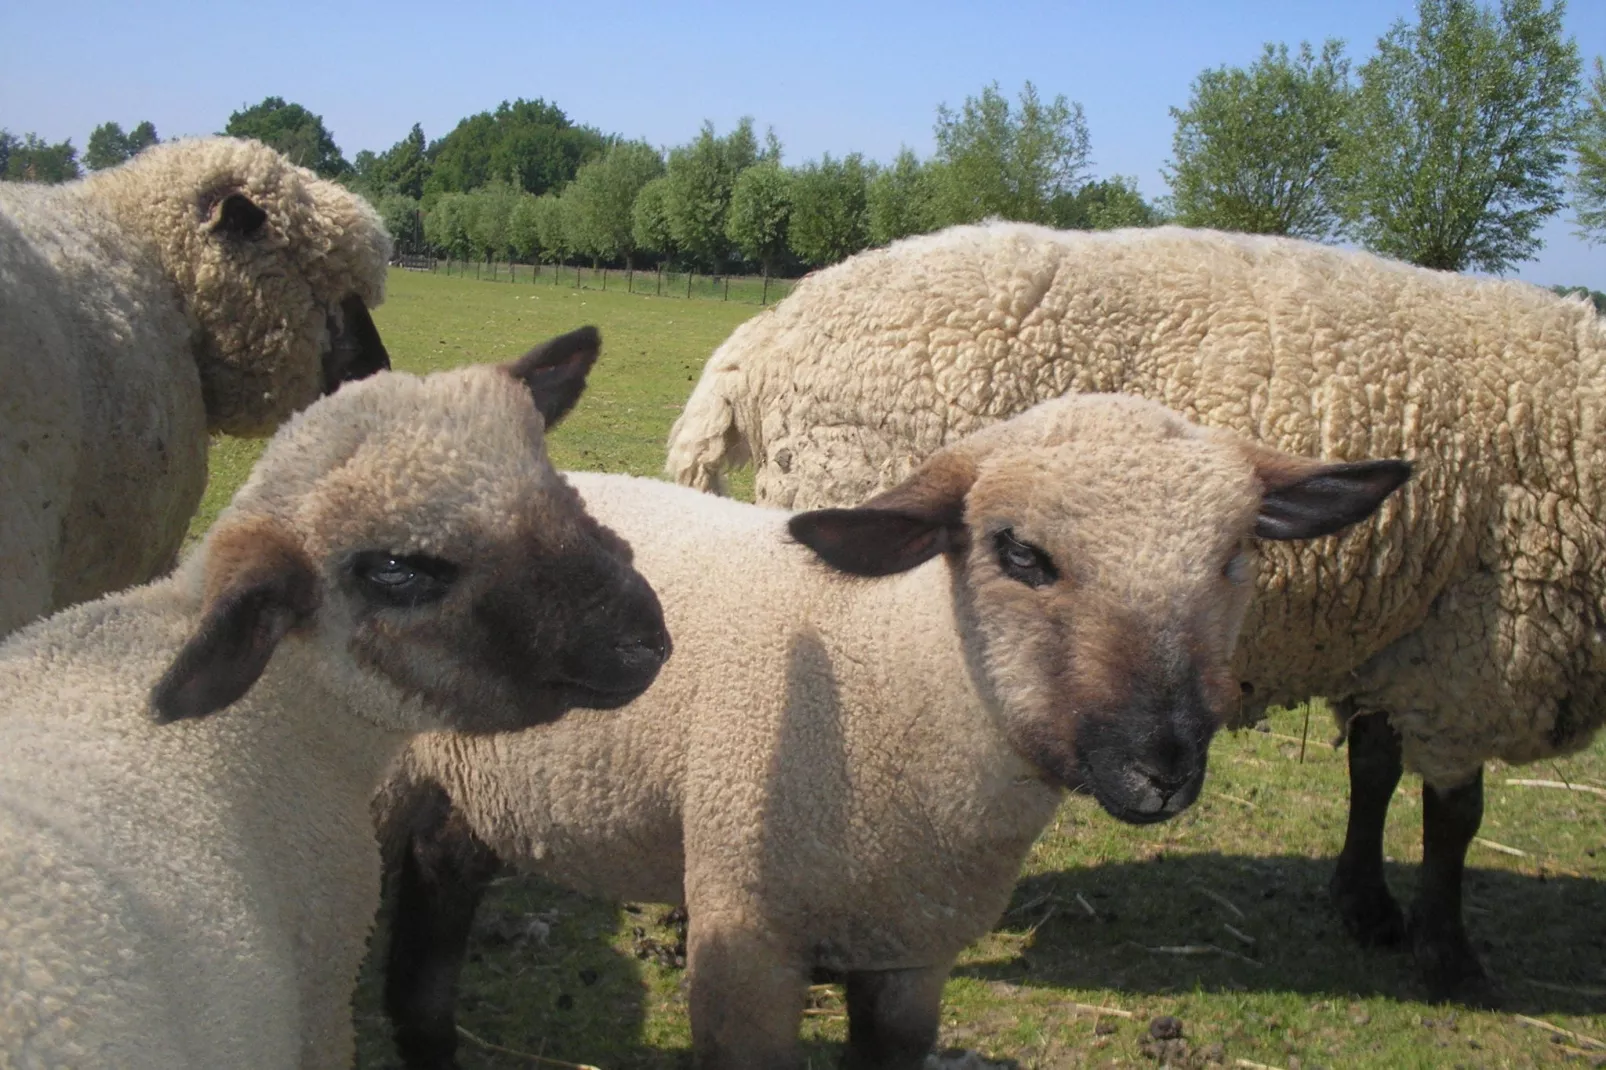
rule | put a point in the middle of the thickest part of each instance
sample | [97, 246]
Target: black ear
[238, 215]
[908, 525]
[260, 587]
[355, 350]
[556, 370]
[1325, 498]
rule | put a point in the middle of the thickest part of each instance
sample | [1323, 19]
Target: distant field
[1106, 915]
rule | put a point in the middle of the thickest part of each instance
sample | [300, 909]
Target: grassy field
[1218, 918]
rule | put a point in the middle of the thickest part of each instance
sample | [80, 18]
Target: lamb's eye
[1024, 562]
[402, 580]
[1236, 570]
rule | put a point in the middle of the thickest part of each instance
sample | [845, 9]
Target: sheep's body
[1472, 638]
[1472, 614]
[845, 773]
[198, 894]
[129, 328]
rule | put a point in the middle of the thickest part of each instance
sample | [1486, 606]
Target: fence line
[686, 285]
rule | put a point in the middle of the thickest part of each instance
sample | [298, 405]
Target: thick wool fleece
[825, 771]
[129, 328]
[199, 894]
[1471, 609]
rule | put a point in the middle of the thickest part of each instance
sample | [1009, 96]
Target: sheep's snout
[355, 350]
[1147, 766]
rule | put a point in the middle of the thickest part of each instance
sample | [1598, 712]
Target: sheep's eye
[402, 580]
[1236, 570]
[1024, 562]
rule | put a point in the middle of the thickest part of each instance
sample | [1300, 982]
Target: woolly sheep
[206, 285]
[845, 773]
[1470, 618]
[198, 894]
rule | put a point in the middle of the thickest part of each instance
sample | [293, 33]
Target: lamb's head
[1101, 554]
[277, 269]
[412, 543]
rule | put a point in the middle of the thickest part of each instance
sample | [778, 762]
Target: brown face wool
[188, 871]
[871, 714]
[206, 285]
[1471, 616]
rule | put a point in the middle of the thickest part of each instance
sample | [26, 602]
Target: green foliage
[1589, 184]
[449, 224]
[761, 206]
[1105, 205]
[1595, 297]
[401, 218]
[701, 177]
[292, 130]
[900, 200]
[402, 169]
[604, 193]
[1255, 148]
[528, 143]
[649, 218]
[1458, 135]
[109, 146]
[998, 163]
[553, 228]
[523, 227]
[493, 207]
[33, 159]
[830, 217]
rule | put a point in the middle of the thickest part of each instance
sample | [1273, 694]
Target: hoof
[1450, 968]
[1369, 912]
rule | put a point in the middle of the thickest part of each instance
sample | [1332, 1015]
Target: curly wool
[129, 329]
[1471, 610]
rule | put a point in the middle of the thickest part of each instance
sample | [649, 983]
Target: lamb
[206, 285]
[1479, 630]
[195, 890]
[845, 773]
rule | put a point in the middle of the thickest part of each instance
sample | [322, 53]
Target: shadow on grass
[1099, 927]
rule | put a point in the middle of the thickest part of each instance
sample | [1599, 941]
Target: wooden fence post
[689, 276]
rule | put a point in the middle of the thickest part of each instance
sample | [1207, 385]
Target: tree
[528, 143]
[1589, 184]
[33, 159]
[830, 218]
[523, 227]
[900, 200]
[552, 224]
[1255, 148]
[292, 130]
[109, 146]
[605, 192]
[448, 225]
[1010, 165]
[8, 141]
[649, 219]
[761, 206]
[493, 206]
[401, 169]
[1105, 204]
[1453, 154]
[701, 177]
[400, 216]
[1594, 297]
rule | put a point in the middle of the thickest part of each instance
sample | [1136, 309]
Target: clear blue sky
[827, 76]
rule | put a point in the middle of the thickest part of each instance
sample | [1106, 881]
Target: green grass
[1096, 897]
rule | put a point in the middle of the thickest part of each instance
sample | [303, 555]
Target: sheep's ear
[237, 215]
[556, 370]
[355, 351]
[893, 532]
[259, 586]
[1305, 498]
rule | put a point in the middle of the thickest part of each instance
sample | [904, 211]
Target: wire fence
[659, 282]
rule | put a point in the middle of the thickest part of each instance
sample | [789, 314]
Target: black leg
[1444, 955]
[1358, 889]
[443, 875]
[893, 1017]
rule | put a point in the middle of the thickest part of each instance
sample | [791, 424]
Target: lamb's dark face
[414, 535]
[1102, 562]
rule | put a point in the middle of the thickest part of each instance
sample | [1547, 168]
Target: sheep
[845, 773]
[206, 285]
[188, 886]
[1479, 632]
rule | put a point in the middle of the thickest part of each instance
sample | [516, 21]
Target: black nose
[642, 654]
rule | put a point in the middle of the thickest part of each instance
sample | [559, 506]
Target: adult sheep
[845, 773]
[198, 894]
[1477, 630]
[205, 285]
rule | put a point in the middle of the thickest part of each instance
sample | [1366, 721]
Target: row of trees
[1447, 148]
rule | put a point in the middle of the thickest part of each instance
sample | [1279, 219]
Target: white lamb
[845, 773]
[198, 894]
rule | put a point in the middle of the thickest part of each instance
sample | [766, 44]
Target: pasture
[1218, 918]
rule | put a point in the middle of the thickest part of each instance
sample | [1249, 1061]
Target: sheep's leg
[444, 874]
[746, 996]
[893, 1016]
[1444, 955]
[1358, 889]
